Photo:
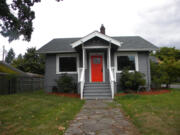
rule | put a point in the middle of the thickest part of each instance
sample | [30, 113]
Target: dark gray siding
[50, 72]
[144, 67]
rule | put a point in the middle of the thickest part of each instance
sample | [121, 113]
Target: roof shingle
[133, 43]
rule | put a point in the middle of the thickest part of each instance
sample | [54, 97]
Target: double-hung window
[67, 63]
[127, 60]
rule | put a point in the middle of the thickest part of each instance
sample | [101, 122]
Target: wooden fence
[10, 84]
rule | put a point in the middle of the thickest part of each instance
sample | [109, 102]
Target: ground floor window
[67, 64]
[127, 60]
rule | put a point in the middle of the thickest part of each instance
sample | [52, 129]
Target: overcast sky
[158, 21]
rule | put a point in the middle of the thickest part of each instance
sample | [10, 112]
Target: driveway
[98, 118]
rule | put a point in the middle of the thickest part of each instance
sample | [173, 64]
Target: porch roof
[95, 34]
[128, 43]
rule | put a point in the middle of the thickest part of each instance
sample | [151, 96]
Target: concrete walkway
[98, 118]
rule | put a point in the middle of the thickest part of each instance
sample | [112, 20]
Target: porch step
[96, 98]
[97, 91]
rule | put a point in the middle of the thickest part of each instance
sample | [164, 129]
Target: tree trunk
[167, 85]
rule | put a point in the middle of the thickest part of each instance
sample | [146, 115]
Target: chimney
[102, 29]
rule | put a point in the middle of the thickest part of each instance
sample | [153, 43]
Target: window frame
[58, 56]
[135, 54]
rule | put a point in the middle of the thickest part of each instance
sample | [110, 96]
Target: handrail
[82, 81]
[112, 80]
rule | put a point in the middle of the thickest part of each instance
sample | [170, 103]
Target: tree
[19, 62]
[168, 70]
[30, 62]
[165, 53]
[10, 56]
[16, 18]
[171, 71]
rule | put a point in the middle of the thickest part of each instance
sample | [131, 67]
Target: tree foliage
[167, 71]
[168, 53]
[17, 18]
[30, 62]
[10, 56]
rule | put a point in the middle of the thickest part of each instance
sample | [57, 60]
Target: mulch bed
[152, 92]
[72, 95]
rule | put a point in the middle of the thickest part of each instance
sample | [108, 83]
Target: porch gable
[96, 34]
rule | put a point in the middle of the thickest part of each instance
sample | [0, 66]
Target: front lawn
[153, 114]
[36, 113]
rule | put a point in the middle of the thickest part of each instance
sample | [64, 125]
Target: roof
[6, 68]
[128, 43]
[95, 34]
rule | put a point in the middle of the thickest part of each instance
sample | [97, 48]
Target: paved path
[98, 118]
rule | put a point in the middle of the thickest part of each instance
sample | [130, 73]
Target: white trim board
[95, 34]
[126, 54]
[94, 54]
[67, 55]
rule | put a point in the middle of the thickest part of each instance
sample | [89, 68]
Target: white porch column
[83, 55]
[109, 56]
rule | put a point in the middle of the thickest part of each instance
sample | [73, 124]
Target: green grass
[36, 113]
[153, 114]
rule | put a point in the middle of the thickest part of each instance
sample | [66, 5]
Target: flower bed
[152, 92]
[73, 95]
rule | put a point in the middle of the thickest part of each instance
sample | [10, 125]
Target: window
[127, 60]
[67, 64]
[96, 60]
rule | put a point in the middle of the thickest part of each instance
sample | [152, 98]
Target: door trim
[94, 54]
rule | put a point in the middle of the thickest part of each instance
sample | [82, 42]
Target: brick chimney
[102, 29]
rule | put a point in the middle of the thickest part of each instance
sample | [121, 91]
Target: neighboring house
[96, 61]
[6, 68]
[154, 59]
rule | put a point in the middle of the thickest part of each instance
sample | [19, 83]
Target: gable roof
[128, 43]
[95, 34]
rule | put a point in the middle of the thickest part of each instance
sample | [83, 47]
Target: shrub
[131, 81]
[66, 84]
[157, 75]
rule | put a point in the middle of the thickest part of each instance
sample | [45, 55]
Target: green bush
[157, 75]
[66, 84]
[131, 81]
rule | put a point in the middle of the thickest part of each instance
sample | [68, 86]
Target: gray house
[96, 61]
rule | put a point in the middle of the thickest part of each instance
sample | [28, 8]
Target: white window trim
[66, 55]
[94, 54]
[126, 54]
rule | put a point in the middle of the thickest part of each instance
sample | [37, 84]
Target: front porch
[97, 74]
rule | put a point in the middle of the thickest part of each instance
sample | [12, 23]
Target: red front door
[96, 68]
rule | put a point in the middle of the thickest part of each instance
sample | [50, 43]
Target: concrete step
[96, 84]
[97, 90]
[97, 94]
[97, 98]
[99, 87]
